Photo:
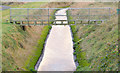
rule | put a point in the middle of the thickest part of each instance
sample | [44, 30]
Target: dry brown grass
[80, 4]
[58, 4]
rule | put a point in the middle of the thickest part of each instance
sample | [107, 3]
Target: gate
[46, 16]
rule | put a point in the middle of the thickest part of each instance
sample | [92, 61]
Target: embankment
[22, 48]
[98, 44]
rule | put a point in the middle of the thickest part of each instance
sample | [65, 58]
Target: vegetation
[0, 41]
[30, 63]
[19, 47]
[96, 46]
[70, 18]
[97, 49]
[53, 17]
[80, 54]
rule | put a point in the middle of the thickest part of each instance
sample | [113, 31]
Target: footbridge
[47, 16]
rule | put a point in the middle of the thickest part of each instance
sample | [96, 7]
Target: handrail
[78, 16]
[64, 8]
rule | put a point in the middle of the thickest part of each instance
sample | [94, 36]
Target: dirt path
[58, 55]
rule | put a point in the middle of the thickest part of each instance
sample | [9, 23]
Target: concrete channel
[58, 50]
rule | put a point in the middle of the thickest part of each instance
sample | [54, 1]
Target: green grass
[9, 42]
[65, 6]
[98, 47]
[30, 63]
[53, 17]
[14, 37]
[70, 18]
[80, 54]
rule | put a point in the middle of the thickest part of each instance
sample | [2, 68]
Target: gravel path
[58, 55]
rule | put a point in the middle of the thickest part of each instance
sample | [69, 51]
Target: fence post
[35, 23]
[28, 15]
[48, 16]
[68, 16]
[89, 16]
[109, 13]
[10, 16]
[21, 22]
[42, 22]
[75, 22]
[55, 22]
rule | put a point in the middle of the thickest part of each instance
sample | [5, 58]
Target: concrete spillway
[58, 54]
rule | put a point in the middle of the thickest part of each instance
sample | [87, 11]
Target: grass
[20, 49]
[15, 38]
[27, 5]
[98, 46]
[11, 43]
[80, 54]
[53, 17]
[70, 18]
[0, 41]
[98, 49]
[30, 63]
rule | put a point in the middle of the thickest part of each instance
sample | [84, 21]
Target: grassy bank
[30, 63]
[19, 46]
[97, 49]
[80, 54]
[100, 45]
[96, 46]
[21, 49]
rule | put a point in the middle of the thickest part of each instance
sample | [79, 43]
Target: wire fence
[47, 15]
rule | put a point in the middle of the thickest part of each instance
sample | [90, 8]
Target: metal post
[88, 21]
[68, 16]
[89, 15]
[109, 13]
[10, 16]
[55, 22]
[81, 21]
[13, 22]
[28, 15]
[75, 22]
[42, 22]
[48, 16]
[35, 23]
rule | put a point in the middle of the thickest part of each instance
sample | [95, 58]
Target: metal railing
[46, 16]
